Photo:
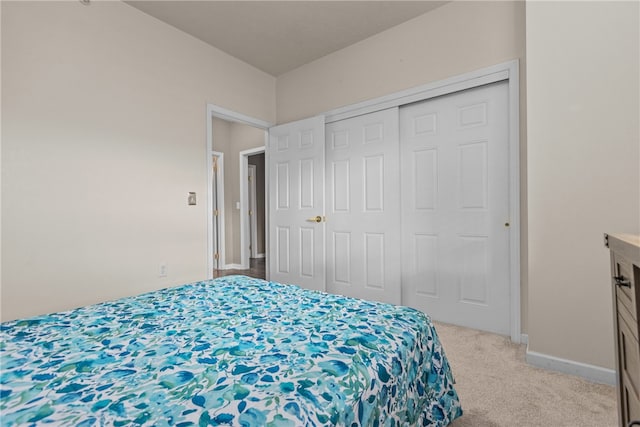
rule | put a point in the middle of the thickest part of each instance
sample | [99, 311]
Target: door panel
[283, 249]
[374, 260]
[454, 184]
[424, 261]
[341, 265]
[363, 211]
[307, 188]
[296, 176]
[307, 237]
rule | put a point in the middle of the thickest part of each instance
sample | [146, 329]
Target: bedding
[230, 351]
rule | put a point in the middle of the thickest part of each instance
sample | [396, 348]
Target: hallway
[257, 269]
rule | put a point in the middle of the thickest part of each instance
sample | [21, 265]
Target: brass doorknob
[315, 219]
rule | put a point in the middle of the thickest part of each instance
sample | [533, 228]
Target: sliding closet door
[363, 207]
[295, 157]
[455, 207]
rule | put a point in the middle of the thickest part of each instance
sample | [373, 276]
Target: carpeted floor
[498, 388]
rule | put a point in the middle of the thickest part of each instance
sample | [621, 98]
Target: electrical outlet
[162, 270]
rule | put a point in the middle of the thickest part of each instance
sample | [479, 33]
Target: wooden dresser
[625, 280]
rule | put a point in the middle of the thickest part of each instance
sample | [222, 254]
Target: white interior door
[295, 158]
[455, 207]
[363, 204]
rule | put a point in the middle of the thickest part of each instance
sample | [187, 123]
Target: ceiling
[279, 36]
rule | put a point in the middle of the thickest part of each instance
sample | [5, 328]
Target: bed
[230, 351]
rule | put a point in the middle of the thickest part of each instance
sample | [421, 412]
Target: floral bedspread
[231, 351]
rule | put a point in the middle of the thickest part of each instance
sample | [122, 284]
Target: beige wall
[232, 138]
[583, 133]
[0, 163]
[103, 136]
[453, 39]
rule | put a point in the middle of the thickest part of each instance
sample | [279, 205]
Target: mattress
[230, 351]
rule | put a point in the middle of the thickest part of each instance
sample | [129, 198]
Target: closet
[407, 205]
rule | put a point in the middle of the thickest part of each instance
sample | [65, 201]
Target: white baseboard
[260, 255]
[232, 267]
[524, 339]
[592, 373]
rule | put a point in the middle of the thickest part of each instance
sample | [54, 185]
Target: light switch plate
[191, 200]
[162, 270]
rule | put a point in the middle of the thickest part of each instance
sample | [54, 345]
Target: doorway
[257, 211]
[253, 211]
[229, 134]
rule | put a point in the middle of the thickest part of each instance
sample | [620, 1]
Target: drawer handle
[634, 423]
[621, 281]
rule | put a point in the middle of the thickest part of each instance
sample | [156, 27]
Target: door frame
[232, 116]
[508, 71]
[244, 201]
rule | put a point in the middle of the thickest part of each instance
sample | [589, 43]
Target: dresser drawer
[629, 365]
[625, 282]
[630, 323]
[631, 407]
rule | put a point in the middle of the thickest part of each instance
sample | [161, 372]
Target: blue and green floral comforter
[231, 351]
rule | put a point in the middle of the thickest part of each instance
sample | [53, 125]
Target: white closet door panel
[307, 188]
[455, 202]
[296, 176]
[307, 264]
[363, 207]
[283, 251]
[423, 260]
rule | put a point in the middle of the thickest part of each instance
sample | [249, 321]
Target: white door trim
[229, 115]
[446, 86]
[505, 71]
[244, 202]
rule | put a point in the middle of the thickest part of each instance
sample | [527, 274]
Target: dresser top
[631, 239]
[627, 244]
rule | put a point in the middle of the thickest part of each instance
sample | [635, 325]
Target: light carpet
[498, 388]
